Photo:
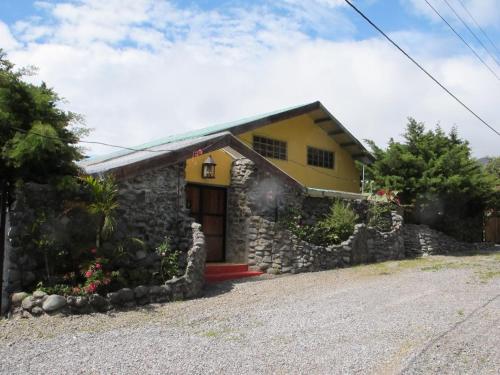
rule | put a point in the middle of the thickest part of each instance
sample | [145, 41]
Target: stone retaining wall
[420, 240]
[276, 250]
[189, 285]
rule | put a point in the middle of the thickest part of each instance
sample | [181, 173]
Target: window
[270, 148]
[320, 158]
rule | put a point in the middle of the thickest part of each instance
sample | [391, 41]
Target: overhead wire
[421, 67]
[202, 148]
[463, 40]
[97, 142]
[471, 31]
[479, 26]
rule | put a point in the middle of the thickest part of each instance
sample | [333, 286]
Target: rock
[114, 298]
[141, 291]
[17, 298]
[39, 294]
[99, 303]
[54, 302]
[71, 300]
[126, 294]
[81, 302]
[37, 311]
[155, 290]
[28, 303]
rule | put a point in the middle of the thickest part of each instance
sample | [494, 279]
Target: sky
[138, 70]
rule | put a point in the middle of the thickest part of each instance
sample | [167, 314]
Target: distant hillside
[484, 160]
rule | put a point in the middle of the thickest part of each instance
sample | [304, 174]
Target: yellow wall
[300, 132]
[222, 169]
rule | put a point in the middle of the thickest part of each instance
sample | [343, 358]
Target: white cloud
[179, 69]
[485, 12]
[7, 40]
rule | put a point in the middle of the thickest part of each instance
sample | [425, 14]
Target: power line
[462, 39]
[478, 26]
[97, 142]
[133, 149]
[421, 67]
[471, 31]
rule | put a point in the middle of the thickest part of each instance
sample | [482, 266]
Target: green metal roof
[192, 134]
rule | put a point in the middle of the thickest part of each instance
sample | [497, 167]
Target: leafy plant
[169, 260]
[61, 289]
[96, 277]
[334, 228]
[339, 224]
[104, 193]
[382, 203]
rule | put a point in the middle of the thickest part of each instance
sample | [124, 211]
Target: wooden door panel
[215, 248]
[208, 207]
[213, 201]
[213, 225]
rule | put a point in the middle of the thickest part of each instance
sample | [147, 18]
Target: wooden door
[492, 229]
[208, 207]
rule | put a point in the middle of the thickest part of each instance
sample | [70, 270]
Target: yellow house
[305, 142]
[235, 174]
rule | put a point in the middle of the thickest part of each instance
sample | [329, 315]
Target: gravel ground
[435, 315]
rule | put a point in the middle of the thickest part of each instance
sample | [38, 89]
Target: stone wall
[420, 240]
[276, 250]
[152, 206]
[189, 285]
[253, 193]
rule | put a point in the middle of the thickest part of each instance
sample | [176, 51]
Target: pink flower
[93, 251]
[91, 288]
[88, 274]
[381, 192]
[98, 266]
[106, 281]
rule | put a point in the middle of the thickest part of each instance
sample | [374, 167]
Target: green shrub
[379, 216]
[169, 264]
[334, 228]
[339, 224]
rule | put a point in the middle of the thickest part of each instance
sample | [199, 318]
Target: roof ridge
[194, 133]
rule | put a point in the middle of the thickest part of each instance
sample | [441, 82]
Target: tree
[38, 140]
[493, 168]
[435, 173]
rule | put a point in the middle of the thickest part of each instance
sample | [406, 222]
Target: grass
[486, 266]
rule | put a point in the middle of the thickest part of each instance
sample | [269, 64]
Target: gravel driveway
[435, 315]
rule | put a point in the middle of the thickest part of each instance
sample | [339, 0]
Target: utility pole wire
[478, 26]
[463, 40]
[421, 67]
[471, 31]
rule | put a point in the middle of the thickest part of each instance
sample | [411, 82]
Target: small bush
[339, 224]
[334, 228]
[169, 264]
[379, 216]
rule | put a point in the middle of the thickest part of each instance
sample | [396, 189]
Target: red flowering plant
[385, 196]
[97, 277]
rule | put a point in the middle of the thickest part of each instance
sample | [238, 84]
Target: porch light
[208, 168]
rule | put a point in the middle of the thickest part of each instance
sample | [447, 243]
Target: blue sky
[141, 69]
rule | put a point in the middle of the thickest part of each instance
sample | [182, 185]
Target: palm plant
[103, 204]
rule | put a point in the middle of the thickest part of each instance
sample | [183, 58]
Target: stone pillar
[238, 211]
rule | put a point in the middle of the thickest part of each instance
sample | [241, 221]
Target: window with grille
[270, 148]
[320, 158]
